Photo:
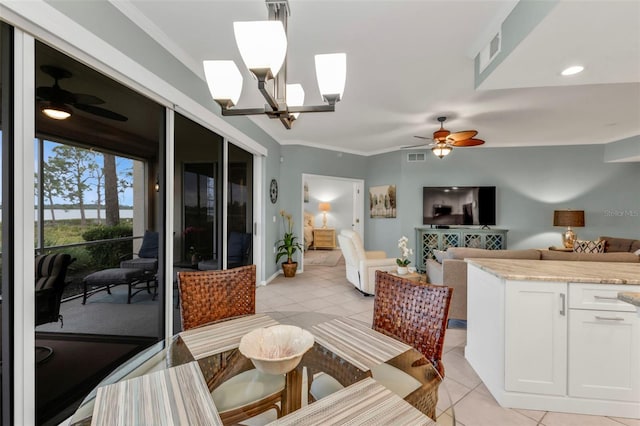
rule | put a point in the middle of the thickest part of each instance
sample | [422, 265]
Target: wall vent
[491, 50]
[414, 157]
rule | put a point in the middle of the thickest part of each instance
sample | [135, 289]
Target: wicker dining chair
[209, 296]
[414, 313]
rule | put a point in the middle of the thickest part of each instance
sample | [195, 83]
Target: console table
[430, 239]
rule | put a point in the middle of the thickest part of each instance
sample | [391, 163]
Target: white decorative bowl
[277, 349]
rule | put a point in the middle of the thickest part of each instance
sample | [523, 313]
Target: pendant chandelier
[263, 47]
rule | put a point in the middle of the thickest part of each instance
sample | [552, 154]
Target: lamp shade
[331, 72]
[324, 207]
[573, 218]
[295, 96]
[224, 80]
[262, 44]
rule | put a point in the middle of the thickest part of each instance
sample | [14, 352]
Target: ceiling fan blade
[55, 94]
[423, 137]
[468, 142]
[460, 136]
[101, 112]
[83, 98]
[422, 145]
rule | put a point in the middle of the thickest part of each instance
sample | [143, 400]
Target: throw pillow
[637, 252]
[580, 246]
[440, 254]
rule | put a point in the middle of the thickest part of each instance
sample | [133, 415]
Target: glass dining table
[197, 361]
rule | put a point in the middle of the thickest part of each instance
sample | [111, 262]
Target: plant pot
[403, 270]
[289, 269]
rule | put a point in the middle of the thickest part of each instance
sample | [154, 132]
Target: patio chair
[50, 275]
[208, 296]
[140, 270]
[147, 256]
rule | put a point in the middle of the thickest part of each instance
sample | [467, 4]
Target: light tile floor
[325, 289]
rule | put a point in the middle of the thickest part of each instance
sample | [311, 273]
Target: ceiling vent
[491, 50]
[414, 157]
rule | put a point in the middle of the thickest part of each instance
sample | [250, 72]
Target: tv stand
[430, 239]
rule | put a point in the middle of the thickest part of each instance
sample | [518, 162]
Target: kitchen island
[553, 335]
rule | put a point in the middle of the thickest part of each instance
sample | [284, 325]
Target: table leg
[293, 392]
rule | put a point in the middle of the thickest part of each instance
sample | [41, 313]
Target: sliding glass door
[239, 207]
[97, 203]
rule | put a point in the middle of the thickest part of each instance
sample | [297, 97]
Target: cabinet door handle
[605, 297]
[562, 304]
[598, 317]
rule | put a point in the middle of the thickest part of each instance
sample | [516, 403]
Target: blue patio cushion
[146, 264]
[149, 248]
[238, 245]
[114, 276]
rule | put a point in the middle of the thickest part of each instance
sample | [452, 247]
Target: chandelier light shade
[262, 45]
[331, 72]
[295, 97]
[568, 218]
[441, 149]
[57, 111]
[224, 80]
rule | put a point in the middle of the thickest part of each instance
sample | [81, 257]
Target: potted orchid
[403, 261]
[287, 246]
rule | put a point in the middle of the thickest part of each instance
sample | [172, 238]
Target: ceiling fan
[57, 101]
[444, 141]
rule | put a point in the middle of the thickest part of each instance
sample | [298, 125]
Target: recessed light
[575, 69]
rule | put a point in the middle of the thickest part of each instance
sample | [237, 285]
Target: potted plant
[287, 246]
[403, 261]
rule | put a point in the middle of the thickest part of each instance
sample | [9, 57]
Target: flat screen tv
[458, 205]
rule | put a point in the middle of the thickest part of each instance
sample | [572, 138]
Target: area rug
[322, 257]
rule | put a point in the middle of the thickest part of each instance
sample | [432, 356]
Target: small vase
[403, 270]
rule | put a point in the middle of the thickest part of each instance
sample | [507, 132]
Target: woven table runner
[357, 343]
[364, 402]
[222, 336]
[176, 396]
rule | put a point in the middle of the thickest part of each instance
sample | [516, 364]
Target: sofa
[452, 268]
[361, 265]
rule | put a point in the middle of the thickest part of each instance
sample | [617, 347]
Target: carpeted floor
[322, 257]
[78, 364]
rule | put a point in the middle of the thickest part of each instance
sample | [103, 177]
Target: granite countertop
[564, 271]
[630, 297]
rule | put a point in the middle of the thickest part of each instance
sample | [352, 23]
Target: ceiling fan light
[56, 111]
[262, 44]
[441, 150]
[331, 72]
[295, 97]
[224, 80]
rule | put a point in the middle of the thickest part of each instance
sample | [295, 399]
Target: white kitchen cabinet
[536, 337]
[542, 340]
[604, 344]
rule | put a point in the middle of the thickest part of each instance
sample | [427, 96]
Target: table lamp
[324, 208]
[568, 218]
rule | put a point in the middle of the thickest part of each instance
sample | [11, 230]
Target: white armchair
[362, 265]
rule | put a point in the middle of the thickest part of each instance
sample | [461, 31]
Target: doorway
[330, 203]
